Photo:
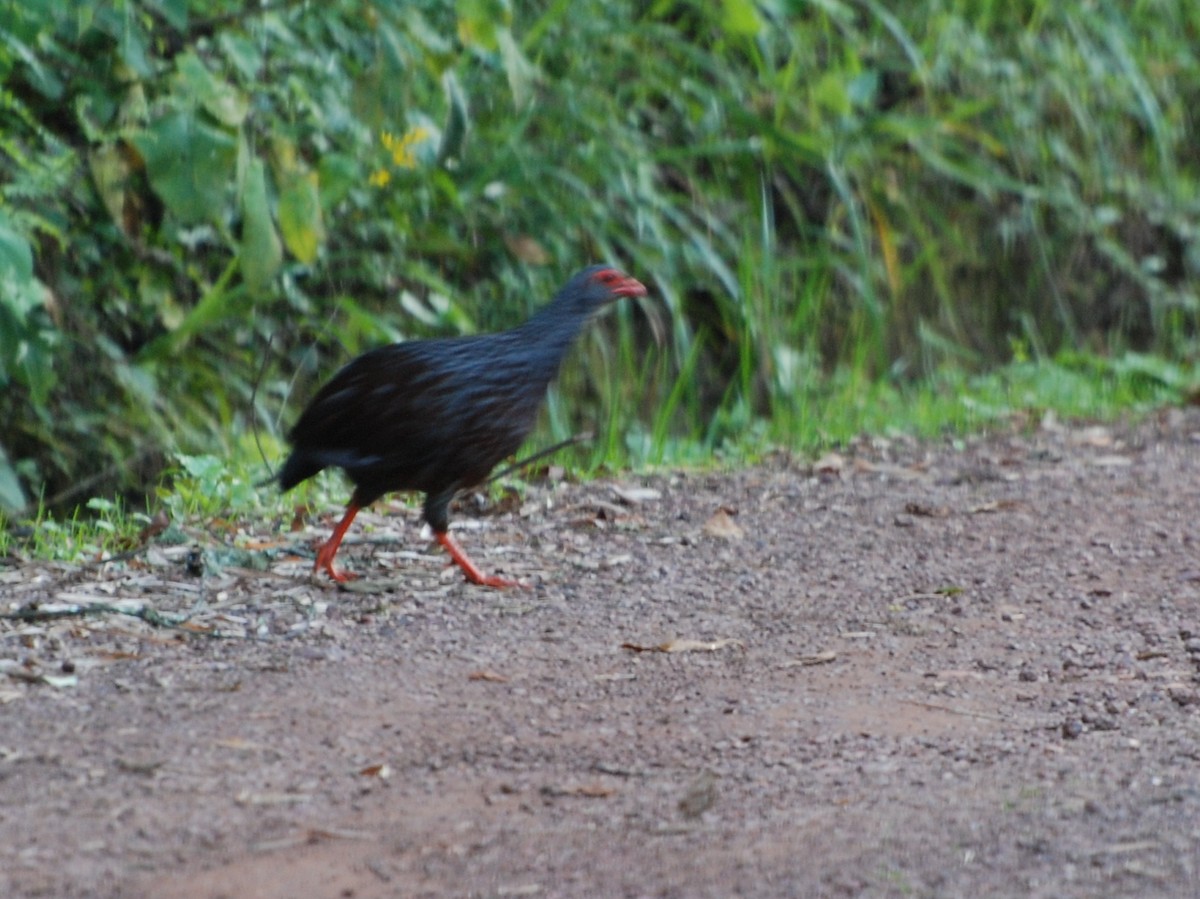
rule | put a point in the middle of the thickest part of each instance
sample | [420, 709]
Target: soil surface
[907, 670]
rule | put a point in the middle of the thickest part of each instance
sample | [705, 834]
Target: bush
[206, 205]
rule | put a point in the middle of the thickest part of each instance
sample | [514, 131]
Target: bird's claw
[493, 580]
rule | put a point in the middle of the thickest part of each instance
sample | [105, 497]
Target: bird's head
[599, 285]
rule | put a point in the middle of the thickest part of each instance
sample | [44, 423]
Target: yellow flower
[403, 149]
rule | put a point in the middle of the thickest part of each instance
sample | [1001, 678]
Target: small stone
[1183, 696]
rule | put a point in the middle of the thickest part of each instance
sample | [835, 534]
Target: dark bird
[437, 415]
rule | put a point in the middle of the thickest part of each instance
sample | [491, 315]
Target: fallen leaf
[239, 744]
[140, 766]
[701, 795]
[927, 511]
[490, 676]
[527, 249]
[159, 523]
[996, 506]
[700, 645]
[830, 465]
[1097, 436]
[587, 791]
[721, 526]
[680, 645]
[635, 496]
[817, 658]
[338, 833]
[595, 791]
[51, 680]
[249, 797]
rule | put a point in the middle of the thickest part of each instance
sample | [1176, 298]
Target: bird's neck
[552, 331]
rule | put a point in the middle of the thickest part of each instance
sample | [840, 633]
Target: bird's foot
[340, 576]
[470, 569]
[325, 562]
[494, 580]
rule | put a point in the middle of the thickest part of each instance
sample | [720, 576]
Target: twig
[145, 613]
[262, 370]
[945, 708]
[529, 460]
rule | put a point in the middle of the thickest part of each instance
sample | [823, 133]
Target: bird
[436, 415]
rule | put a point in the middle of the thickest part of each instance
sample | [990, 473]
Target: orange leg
[330, 547]
[474, 575]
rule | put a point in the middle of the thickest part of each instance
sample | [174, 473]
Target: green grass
[221, 494]
[852, 217]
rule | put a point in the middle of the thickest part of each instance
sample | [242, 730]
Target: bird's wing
[382, 403]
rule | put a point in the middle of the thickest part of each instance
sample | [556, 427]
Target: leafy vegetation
[849, 214]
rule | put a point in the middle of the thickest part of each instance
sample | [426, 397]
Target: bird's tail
[298, 467]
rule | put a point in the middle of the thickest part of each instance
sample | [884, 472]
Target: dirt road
[910, 670]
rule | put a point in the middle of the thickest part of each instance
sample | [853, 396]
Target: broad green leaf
[478, 21]
[16, 257]
[454, 134]
[223, 102]
[132, 42]
[12, 497]
[339, 174]
[175, 12]
[518, 69]
[190, 163]
[261, 252]
[243, 52]
[741, 18]
[109, 174]
[213, 307]
[300, 216]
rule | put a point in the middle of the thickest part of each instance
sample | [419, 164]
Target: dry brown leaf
[527, 249]
[680, 645]
[635, 496]
[701, 795]
[489, 676]
[239, 743]
[926, 510]
[817, 658]
[299, 518]
[1097, 436]
[830, 465]
[587, 791]
[249, 797]
[595, 791]
[999, 505]
[337, 833]
[159, 523]
[723, 527]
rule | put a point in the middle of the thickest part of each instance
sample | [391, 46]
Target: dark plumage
[437, 415]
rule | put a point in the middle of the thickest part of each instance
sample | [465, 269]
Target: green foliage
[97, 529]
[205, 205]
[206, 487]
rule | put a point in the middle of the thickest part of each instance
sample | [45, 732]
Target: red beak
[629, 287]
